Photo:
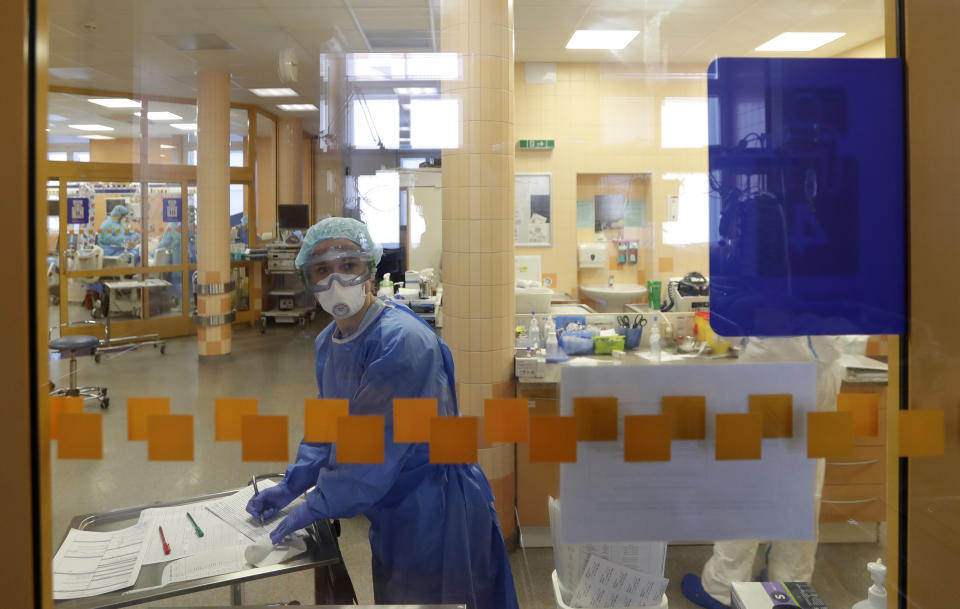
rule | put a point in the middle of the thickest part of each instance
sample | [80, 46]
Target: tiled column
[478, 220]
[289, 147]
[213, 213]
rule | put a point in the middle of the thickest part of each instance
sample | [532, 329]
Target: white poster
[693, 497]
[532, 209]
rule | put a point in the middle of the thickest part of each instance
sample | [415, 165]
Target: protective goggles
[347, 266]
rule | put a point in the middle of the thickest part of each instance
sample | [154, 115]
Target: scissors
[638, 322]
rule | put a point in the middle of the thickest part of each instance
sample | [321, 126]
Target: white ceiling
[125, 51]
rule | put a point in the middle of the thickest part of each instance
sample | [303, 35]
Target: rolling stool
[73, 344]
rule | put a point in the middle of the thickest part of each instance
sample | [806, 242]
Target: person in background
[113, 235]
[171, 240]
[787, 560]
[243, 232]
[434, 533]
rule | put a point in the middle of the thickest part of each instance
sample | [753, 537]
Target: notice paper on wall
[692, 497]
[606, 584]
[91, 562]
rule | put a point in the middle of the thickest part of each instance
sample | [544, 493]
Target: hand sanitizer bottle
[876, 594]
[655, 338]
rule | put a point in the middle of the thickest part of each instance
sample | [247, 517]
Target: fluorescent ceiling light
[97, 137]
[297, 107]
[274, 92]
[184, 126]
[601, 39]
[91, 127]
[167, 146]
[161, 116]
[56, 118]
[799, 41]
[115, 102]
[415, 90]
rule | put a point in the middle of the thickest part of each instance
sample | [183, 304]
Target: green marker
[194, 523]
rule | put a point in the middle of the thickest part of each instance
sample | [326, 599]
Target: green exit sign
[536, 144]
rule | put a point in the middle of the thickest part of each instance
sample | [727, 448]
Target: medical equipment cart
[109, 344]
[288, 293]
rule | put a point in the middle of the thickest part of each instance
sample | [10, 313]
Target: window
[380, 206]
[376, 122]
[683, 123]
[435, 123]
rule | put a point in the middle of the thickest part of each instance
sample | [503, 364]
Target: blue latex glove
[270, 501]
[301, 517]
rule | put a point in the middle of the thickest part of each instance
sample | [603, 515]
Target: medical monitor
[293, 217]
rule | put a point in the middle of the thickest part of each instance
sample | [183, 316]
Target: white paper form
[90, 563]
[205, 564]
[605, 584]
[180, 534]
[233, 511]
[693, 497]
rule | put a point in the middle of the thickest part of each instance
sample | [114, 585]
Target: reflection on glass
[192, 224]
[105, 216]
[403, 66]
[167, 301]
[683, 123]
[82, 128]
[266, 174]
[173, 133]
[164, 221]
[376, 123]
[239, 221]
[435, 123]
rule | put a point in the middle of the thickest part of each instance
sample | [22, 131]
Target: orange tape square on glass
[227, 413]
[59, 405]
[264, 438]
[865, 409]
[170, 437]
[506, 420]
[776, 411]
[829, 435]
[739, 437]
[553, 439]
[596, 419]
[688, 414]
[80, 435]
[453, 439]
[360, 439]
[320, 418]
[646, 438]
[138, 410]
[411, 419]
[921, 433]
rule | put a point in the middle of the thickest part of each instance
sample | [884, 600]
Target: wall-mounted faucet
[610, 281]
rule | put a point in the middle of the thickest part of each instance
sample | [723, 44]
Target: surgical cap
[119, 210]
[338, 228]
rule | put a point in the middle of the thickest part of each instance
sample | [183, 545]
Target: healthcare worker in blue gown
[113, 235]
[434, 533]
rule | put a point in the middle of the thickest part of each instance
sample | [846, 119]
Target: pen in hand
[256, 492]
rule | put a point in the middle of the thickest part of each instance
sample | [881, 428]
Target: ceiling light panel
[613, 40]
[274, 92]
[297, 107]
[161, 116]
[97, 137]
[115, 102]
[415, 90]
[184, 126]
[92, 127]
[799, 42]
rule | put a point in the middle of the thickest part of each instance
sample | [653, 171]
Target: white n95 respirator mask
[341, 296]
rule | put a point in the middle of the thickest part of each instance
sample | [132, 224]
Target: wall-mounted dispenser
[593, 255]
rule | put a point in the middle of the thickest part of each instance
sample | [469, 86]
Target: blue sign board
[172, 209]
[78, 210]
[807, 208]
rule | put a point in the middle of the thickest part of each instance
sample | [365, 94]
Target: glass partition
[93, 128]
[266, 178]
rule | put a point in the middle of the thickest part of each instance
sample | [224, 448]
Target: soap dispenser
[876, 594]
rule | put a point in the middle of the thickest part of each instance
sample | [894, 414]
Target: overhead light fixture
[161, 116]
[91, 127]
[56, 118]
[97, 137]
[115, 102]
[415, 90]
[274, 92]
[184, 126]
[167, 146]
[799, 42]
[297, 107]
[612, 40]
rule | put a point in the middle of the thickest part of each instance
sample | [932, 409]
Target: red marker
[163, 540]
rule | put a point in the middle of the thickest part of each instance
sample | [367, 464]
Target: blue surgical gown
[112, 238]
[434, 533]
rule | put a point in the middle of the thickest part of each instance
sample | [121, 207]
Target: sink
[612, 299]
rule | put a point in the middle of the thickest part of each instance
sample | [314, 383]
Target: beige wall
[605, 119]
[871, 50]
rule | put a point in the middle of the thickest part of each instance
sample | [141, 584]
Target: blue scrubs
[112, 238]
[434, 532]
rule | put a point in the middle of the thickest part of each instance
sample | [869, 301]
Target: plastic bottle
[655, 338]
[386, 288]
[876, 594]
[533, 331]
[549, 332]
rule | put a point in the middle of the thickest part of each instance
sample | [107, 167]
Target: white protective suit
[732, 561]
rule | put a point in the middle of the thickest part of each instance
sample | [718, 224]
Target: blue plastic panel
[807, 217]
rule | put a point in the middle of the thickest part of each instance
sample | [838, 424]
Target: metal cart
[331, 582]
[127, 342]
[289, 298]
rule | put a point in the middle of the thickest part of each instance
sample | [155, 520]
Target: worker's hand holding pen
[269, 501]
